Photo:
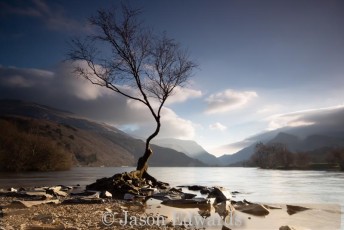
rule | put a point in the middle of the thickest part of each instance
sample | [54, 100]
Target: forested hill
[81, 141]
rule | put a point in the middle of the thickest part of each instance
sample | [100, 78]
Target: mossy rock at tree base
[127, 182]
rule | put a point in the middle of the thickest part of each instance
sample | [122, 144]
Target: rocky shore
[124, 202]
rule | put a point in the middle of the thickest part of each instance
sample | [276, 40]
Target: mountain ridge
[101, 144]
[313, 144]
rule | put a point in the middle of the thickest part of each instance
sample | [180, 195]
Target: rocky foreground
[120, 202]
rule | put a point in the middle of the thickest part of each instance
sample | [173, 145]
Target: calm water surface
[272, 186]
[254, 184]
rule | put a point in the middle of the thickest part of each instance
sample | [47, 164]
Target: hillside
[23, 148]
[90, 143]
[190, 148]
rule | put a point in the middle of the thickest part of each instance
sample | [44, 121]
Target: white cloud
[217, 126]
[175, 126]
[182, 94]
[228, 100]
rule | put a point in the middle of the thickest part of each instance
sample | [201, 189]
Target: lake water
[257, 185]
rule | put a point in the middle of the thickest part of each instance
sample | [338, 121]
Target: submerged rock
[196, 187]
[292, 209]
[254, 209]
[287, 227]
[187, 203]
[29, 204]
[87, 193]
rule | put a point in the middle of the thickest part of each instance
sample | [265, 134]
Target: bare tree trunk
[142, 163]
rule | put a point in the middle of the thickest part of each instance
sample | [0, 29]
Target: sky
[263, 64]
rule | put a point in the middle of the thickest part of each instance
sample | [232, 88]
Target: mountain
[314, 144]
[326, 132]
[91, 143]
[190, 148]
[238, 157]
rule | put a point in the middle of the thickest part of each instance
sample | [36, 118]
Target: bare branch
[122, 52]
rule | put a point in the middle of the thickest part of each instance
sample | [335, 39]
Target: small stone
[128, 196]
[12, 190]
[40, 189]
[225, 228]
[56, 191]
[108, 210]
[105, 194]
[55, 188]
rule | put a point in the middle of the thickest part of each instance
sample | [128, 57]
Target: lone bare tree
[125, 57]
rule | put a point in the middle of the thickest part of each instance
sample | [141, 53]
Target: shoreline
[110, 213]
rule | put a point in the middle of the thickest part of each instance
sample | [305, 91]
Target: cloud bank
[60, 89]
[228, 100]
[331, 116]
